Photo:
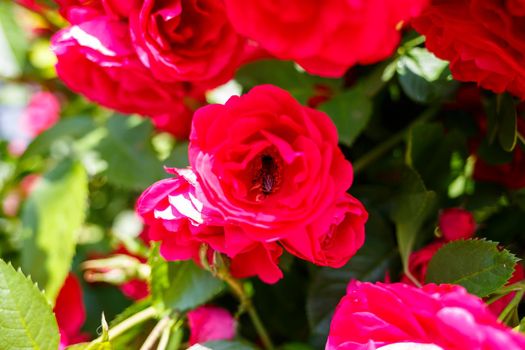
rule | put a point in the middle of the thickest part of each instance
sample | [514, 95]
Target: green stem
[128, 323]
[512, 305]
[156, 333]
[380, 150]
[246, 302]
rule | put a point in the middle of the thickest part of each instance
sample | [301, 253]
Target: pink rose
[42, 112]
[378, 316]
[275, 170]
[70, 312]
[208, 323]
[182, 224]
[96, 58]
[187, 40]
[456, 223]
[324, 37]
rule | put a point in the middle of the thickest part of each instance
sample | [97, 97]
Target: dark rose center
[266, 176]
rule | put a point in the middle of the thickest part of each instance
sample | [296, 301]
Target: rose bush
[266, 195]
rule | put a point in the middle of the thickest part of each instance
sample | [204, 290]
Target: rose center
[266, 177]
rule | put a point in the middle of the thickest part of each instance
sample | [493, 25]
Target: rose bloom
[78, 11]
[70, 312]
[42, 112]
[399, 316]
[179, 221]
[210, 323]
[96, 58]
[324, 37]
[490, 49]
[187, 40]
[277, 173]
[456, 223]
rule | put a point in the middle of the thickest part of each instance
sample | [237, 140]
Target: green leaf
[370, 263]
[430, 138]
[350, 111]
[132, 162]
[180, 285]
[14, 34]
[284, 75]
[477, 265]
[410, 208]
[507, 121]
[423, 77]
[51, 217]
[26, 318]
[224, 345]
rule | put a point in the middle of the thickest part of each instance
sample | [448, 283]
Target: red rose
[489, 50]
[419, 260]
[456, 223]
[96, 58]
[277, 173]
[187, 40]
[324, 37]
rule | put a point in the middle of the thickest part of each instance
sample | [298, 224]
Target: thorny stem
[246, 304]
[128, 323]
[379, 151]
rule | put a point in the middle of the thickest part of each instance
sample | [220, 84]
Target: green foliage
[10, 28]
[180, 285]
[424, 77]
[67, 129]
[51, 217]
[26, 318]
[478, 265]
[350, 111]
[411, 206]
[301, 85]
[131, 160]
[430, 138]
[91, 346]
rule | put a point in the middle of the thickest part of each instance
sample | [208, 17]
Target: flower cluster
[399, 316]
[489, 51]
[275, 174]
[153, 58]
